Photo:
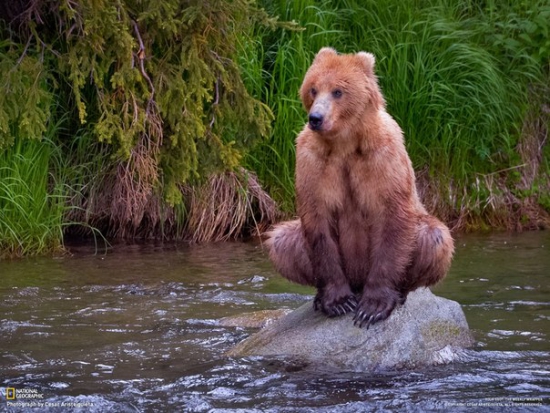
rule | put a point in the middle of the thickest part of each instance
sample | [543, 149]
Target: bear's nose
[315, 120]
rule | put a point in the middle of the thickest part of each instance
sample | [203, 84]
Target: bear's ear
[368, 61]
[324, 52]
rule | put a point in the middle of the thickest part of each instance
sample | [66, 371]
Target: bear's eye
[313, 92]
[337, 93]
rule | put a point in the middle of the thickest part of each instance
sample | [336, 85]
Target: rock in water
[427, 330]
[255, 319]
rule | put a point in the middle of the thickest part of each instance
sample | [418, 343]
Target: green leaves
[26, 93]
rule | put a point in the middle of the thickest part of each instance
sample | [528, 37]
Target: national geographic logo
[29, 398]
[23, 394]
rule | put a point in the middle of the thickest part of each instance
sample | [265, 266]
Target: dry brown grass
[229, 205]
[126, 205]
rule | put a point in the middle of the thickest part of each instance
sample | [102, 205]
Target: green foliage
[149, 95]
[164, 73]
[25, 94]
[154, 78]
[141, 99]
[523, 33]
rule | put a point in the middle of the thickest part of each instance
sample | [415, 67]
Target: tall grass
[453, 75]
[460, 113]
[32, 200]
[42, 186]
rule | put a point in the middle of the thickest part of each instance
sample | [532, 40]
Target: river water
[137, 328]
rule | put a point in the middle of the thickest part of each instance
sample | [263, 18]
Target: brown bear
[363, 237]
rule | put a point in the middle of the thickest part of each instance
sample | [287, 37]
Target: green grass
[32, 200]
[447, 91]
[455, 76]
[43, 184]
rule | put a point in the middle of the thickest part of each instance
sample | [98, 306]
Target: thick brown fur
[363, 238]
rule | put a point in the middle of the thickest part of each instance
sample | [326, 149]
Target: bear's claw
[342, 306]
[373, 309]
[362, 320]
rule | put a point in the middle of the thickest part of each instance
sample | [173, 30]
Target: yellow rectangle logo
[10, 393]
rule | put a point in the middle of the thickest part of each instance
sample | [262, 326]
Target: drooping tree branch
[141, 58]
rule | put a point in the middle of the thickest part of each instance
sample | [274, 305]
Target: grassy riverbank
[148, 121]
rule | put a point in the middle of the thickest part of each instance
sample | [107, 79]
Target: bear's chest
[349, 186]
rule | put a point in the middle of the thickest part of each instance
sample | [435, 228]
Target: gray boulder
[427, 330]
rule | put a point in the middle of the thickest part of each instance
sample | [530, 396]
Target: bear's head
[339, 90]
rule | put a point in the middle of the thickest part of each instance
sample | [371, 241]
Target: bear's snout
[320, 113]
[315, 120]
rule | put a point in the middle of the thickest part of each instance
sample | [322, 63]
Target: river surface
[137, 328]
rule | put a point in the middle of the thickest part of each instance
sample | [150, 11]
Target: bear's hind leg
[432, 256]
[288, 252]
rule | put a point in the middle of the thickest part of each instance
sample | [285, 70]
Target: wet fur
[363, 238]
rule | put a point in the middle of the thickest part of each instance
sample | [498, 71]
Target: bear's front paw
[375, 305]
[335, 301]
